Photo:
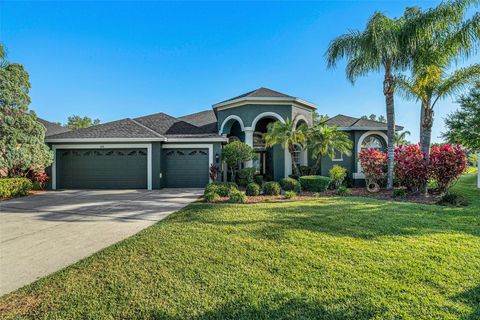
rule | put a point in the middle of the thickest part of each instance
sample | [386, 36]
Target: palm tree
[286, 135]
[326, 141]
[401, 138]
[431, 58]
[384, 46]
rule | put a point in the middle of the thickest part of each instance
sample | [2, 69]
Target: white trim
[263, 100]
[67, 140]
[266, 114]
[338, 159]
[359, 174]
[230, 117]
[147, 146]
[288, 163]
[298, 118]
[213, 139]
[194, 146]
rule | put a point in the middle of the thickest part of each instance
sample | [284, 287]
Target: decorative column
[249, 140]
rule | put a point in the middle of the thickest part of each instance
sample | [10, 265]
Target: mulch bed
[356, 192]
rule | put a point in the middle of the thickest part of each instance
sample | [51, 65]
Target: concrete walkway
[44, 233]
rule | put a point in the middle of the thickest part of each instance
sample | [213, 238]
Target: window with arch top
[297, 155]
[371, 142]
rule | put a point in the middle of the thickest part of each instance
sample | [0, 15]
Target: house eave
[263, 100]
[88, 140]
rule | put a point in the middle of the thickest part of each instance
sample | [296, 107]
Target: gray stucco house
[158, 150]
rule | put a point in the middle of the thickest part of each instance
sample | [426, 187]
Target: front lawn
[328, 258]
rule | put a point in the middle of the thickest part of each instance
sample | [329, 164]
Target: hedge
[314, 183]
[272, 188]
[290, 184]
[221, 188]
[252, 189]
[14, 187]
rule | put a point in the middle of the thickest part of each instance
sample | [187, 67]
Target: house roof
[264, 94]
[350, 123]
[158, 126]
[52, 128]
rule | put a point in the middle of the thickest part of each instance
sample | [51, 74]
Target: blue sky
[112, 60]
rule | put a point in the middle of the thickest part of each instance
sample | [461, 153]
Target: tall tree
[385, 46]
[22, 147]
[326, 141]
[78, 122]
[286, 135]
[377, 48]
[452, 38]
[463, 125]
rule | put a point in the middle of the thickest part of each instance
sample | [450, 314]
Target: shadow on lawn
[283, 309]
[342, 217]
[472, 298]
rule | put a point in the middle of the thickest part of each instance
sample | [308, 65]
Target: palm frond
[457, 81]
[344, 46]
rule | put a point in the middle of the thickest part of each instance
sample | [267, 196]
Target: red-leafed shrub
[447, 163]
[41, 179]
[374, 164]
[411, 167]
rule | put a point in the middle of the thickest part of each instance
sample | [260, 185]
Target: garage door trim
[194, 146]
[147, 146]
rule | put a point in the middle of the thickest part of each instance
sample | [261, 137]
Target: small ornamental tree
[235, 153]
[447, 163]
[374, 163]
[411, 167]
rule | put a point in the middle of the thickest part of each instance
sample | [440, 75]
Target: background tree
[374, 117]
[326, 141]
[463, 125]
[286, 135]
[22, 147]
[235, 153]
[319, 118]
[401, 138]
[77, 122]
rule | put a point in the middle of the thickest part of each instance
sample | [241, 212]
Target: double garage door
[127, 168]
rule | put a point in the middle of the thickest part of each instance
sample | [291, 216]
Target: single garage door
[102, 169]
[186, 168]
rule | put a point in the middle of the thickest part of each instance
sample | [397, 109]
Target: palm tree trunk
[422, 118]
[426, 126]
[294, 165]
[388, 91]
[316, 166]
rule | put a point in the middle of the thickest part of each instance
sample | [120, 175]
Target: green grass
[329, 258]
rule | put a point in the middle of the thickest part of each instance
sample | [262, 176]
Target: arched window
[371, 142]
[297, 155]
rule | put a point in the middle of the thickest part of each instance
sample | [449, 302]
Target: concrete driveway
[43, 233]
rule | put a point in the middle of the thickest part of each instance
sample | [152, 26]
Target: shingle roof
[159, 125]
[260, 93]
[125, 128]
[52, 128]
[351, 123]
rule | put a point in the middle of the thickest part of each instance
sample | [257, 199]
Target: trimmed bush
[211, 197]
[237, 197]
[447, 163]
[289, 184]
[399, 193]
[314, 183]
[259, 180]
[221, 188]
[453, 199]
[411, 167]
[343, 191]
[290, 194]
[14, 187]
[252, 189]
[272, 188]
[246, 176]
[337, 174]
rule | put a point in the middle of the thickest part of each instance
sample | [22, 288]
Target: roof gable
[351, 123]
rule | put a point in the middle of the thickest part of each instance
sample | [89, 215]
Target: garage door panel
[102, 169]
[186, 168]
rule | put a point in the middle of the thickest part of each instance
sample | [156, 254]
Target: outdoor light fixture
[217, 158]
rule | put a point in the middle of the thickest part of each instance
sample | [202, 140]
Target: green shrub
[337, 174]
[14, 187]
[399, 193]
[236, 196]
[252, 189]
[272, 188]
[289, 184]
[432, 184]
[211, 196]
[246, 176]
[453, 199]
[259, 180]
[314, 183]
[344, 191]
[221, 188]
[290, 194]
